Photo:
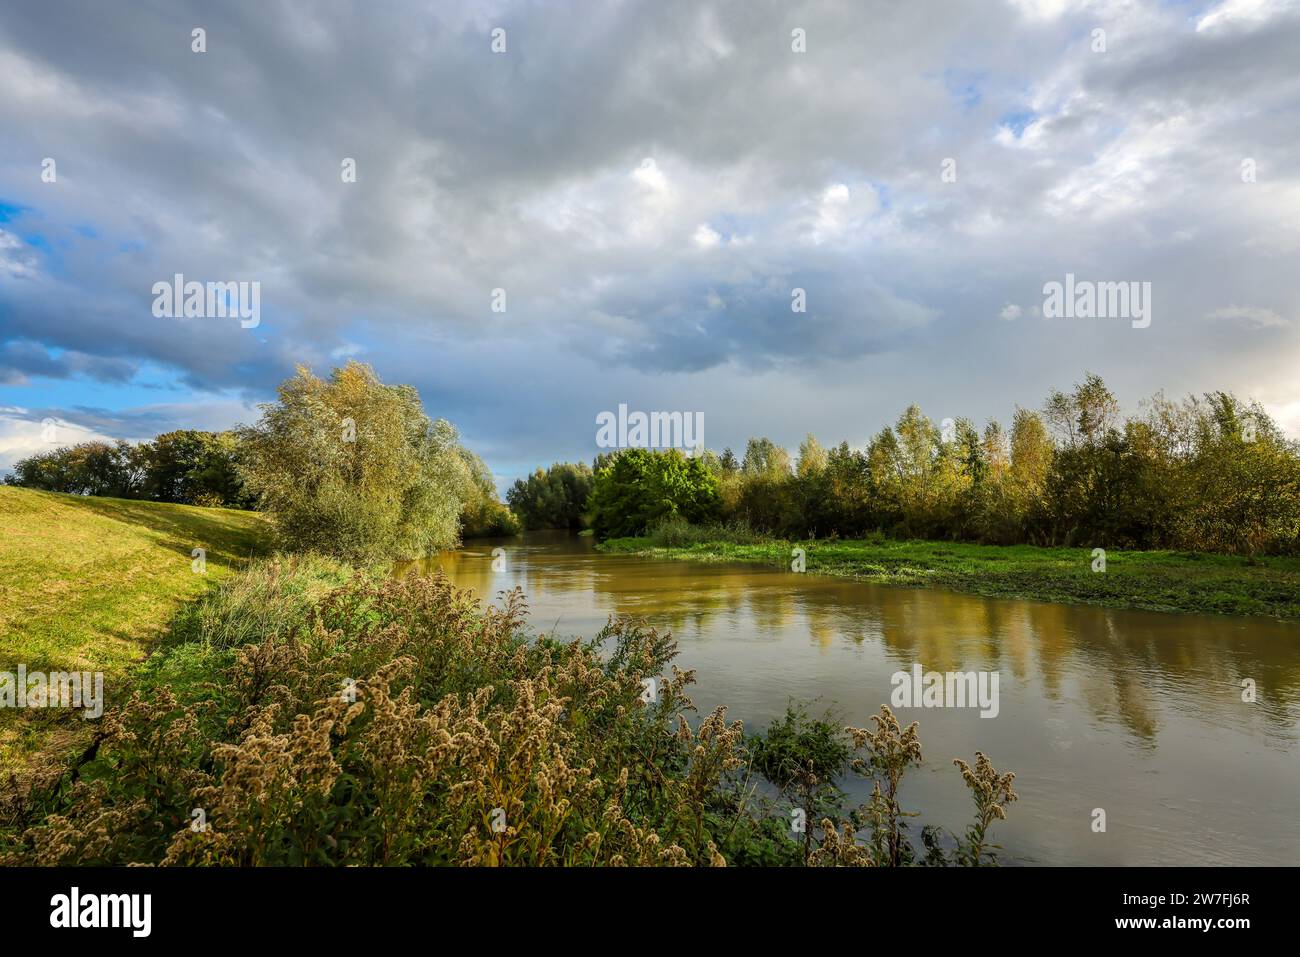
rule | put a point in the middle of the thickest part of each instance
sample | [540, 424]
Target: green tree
[553, 498]
[812, 457]
[765, 499]
[482, 513]
[639, 488]
[352, 467]
[88, 468]
[193, 468]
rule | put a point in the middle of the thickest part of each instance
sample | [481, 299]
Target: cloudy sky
[647, 182]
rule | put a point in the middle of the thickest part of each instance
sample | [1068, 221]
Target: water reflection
[1136, 712]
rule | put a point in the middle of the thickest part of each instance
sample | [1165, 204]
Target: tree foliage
[553, 498]
[482, 513]
[186, 466]
[638, 488]
[352, 467]
[1207, 474]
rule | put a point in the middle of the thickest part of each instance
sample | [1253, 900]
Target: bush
[397, 722]
[387, 722]
[272, 599]
[804, 758]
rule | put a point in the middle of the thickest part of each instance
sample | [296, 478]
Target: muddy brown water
[1136, 713]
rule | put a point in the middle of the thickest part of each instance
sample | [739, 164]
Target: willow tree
[352, 467]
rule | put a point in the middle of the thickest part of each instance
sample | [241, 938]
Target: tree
[1085, 415]
[352, 467]
[89, 468]
[193, 468]
[812, 457]
[1242, 493]
[641, 487]
[553, 498]
[763, 457]
[482, 513]
[918, 466]
[1031, 460]
[765, 497]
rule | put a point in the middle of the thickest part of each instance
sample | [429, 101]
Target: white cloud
[347, 350]
[15, 259]
[21, 437]
[1241, 13]
[841, 211]
[706, 237]
[1043, 9]
[1250, 316]
[649, 175]
[1286, 415]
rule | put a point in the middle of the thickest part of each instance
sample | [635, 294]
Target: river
[1139, 714]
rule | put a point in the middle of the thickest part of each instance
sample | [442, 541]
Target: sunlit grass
[1155, 580]
[88, 584]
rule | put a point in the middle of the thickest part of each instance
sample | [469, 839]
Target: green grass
[1153, 580]
[89, 584]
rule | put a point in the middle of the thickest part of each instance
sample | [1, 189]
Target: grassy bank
[305, 713]
[1156, 580]
[90, 583]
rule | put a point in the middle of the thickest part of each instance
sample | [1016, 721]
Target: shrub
[397, 722]
[803, 758]
[374, 721]
[273, 598]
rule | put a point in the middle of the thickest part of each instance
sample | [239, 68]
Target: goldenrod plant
[356, 719]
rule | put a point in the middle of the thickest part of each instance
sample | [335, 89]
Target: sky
[559, 208]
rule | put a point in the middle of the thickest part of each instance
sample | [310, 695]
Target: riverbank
[308, 713]
[1150, 581]
[88, 584]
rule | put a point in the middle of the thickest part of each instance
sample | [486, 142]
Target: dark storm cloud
[649, 182]
[20, 359]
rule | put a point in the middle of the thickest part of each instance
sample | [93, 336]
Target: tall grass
[274, 598]
[677, 532]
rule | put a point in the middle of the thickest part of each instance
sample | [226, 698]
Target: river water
[1139, 714]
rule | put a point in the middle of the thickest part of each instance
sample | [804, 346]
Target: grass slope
[1154, 580]
[89, 583]
[86, 583]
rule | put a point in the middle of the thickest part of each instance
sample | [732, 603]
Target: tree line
[1209, 473]
[346, 466]
[185, 466]
[355, 467]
